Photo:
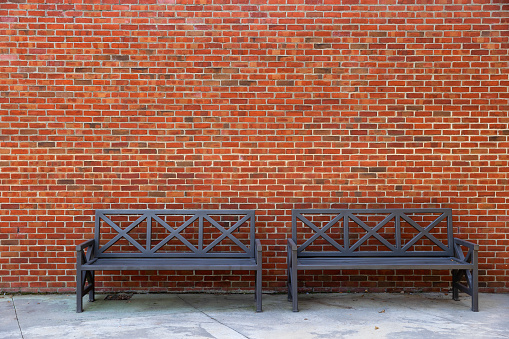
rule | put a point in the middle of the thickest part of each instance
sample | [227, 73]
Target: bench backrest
[372, 232]
[174, 233]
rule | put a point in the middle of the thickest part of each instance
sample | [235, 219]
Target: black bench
[343, 239]
[169, 240]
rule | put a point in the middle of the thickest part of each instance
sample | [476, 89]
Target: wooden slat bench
[372, 239]
[169, 240]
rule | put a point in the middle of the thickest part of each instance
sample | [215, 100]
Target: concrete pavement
[334, 315]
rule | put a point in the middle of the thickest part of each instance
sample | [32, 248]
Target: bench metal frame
[397, 256]
[92, 257]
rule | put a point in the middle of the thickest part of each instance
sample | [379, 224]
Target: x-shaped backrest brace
[226, 233]
[122, 233]
[175, 233]
[320, 232]
[372, 232]
[424, 232]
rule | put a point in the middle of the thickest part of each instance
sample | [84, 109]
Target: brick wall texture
[249, 104]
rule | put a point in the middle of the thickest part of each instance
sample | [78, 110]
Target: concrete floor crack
[17, 318]
[212, 318]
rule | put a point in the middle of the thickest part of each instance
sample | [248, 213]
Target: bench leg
[475, 289]
[258, 290]
[289, 280]
[295, 304]
[470, 288]
[82, 288]
[91, 281]
[79, 291]
[292, 279]
[455, 290]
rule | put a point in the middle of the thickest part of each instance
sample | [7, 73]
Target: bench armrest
[83, 245]
[471, 256]
[89, 256]
[465, 243]
[291, 245]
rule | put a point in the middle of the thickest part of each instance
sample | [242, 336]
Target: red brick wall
[254, 104]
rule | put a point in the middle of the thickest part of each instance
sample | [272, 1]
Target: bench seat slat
[172, 264]
[382, 263]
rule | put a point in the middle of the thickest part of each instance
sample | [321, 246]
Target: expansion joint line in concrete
[212, 318]
[17, 318]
